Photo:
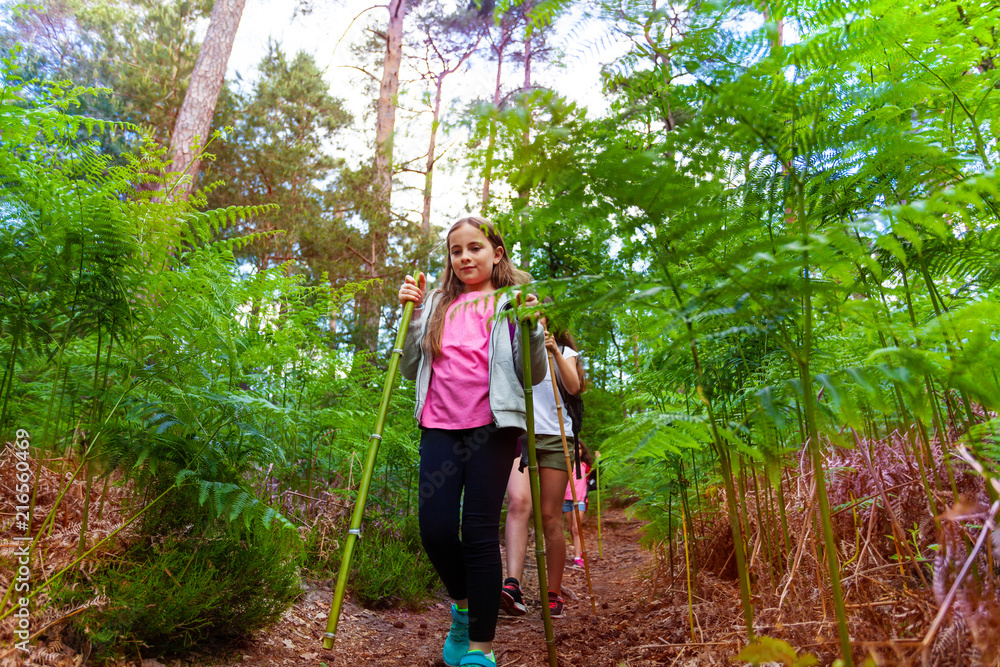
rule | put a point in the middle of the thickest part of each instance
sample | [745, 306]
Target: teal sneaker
[457, 643]
[478, 659]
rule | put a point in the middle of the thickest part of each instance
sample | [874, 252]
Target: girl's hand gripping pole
[354, 532]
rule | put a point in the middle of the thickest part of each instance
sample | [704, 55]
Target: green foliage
[143, 50]
[740, 193]
[188, 578]
[765, 650]
[130, 341]
[196, 366]
[275, 150]
[793, 238]
[270, 144]
[389, 566]
[602, 410]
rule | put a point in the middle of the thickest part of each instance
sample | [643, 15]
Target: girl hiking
[466, 358]
[552, 475]
[579, 482]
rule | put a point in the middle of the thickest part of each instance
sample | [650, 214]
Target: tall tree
[368, 309]
[527, 55]
[195, 117]
[386, 120]
[141, 52]
[532, 21]
[448, 42]
[498, 45]
[277, 153]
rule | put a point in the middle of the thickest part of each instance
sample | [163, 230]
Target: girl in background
[552, 475]
[579, 484]
[466, 359]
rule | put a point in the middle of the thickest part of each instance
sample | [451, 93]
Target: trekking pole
[600, 549]
[536, 504]
[572, 486]
[354, 531]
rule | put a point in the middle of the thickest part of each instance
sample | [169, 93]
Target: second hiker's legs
[518, 516]
[553, 483]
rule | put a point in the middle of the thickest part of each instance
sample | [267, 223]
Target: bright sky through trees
[319, 31]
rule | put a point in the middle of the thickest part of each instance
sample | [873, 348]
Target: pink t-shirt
[459, 392]
[581, 484]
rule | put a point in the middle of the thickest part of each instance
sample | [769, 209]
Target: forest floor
[628, 619]
[643, 617]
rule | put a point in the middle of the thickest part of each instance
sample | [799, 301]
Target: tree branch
[363, 71]
[351, 24]
[361, 257]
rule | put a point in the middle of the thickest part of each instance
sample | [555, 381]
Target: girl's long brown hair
[585, 454]
[504, 274]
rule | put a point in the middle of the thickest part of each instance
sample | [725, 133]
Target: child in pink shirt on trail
[464, 354]
[580, 485]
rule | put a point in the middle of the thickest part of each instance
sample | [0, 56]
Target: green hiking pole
[354, 531]
[536, 505]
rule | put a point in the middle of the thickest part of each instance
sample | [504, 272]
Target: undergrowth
[187, 579]
[146, 356]
[389, 567]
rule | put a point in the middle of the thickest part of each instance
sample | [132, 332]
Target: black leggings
[478, 461]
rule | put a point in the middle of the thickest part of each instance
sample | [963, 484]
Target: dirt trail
[628, 621]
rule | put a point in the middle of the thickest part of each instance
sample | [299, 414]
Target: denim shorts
[568, 505]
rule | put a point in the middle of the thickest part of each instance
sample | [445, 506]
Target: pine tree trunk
[386, 121]
[195, 117]
[367, 305]
[499, 48]
[425, 217]
[525, 192]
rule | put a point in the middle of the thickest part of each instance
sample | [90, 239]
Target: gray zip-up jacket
[505, 360]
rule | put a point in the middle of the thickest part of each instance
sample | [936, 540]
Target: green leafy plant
[187, 579]
[792, 238]
[763, 650]
[389, 566]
